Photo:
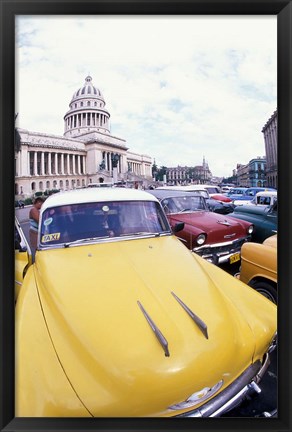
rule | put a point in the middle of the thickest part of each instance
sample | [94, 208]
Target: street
[264, 402]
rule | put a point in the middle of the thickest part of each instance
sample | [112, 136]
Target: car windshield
[180, 204]
[237, 192]
[100, 221]
[202, 192]
[212, 190]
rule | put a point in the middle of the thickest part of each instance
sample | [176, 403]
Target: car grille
[223, 248]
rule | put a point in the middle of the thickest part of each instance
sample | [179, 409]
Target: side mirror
[17, 246]
[178, 227]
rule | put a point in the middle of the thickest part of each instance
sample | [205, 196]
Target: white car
[266, 198]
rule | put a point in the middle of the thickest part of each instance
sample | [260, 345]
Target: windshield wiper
[156, 234]
[85, 240]
[184, 210]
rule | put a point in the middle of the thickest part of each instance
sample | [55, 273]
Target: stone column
[78, 164]
[42, 163]
[62, 163]
[56, 164]
[49, 163]
[73, 162]
[68, 163]
[35, 164]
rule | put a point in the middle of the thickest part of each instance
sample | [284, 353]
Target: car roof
[239, 187]
[170, 193]
[267, 193]
[261, 188]
[185, 188]
[95, 195]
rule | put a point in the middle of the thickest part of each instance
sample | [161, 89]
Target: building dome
[88, 90]
[87, 112]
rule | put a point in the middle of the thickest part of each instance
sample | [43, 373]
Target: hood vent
[202, 326]
[163, 342]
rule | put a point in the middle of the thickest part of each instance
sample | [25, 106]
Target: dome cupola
[88, 90]
[87, 113]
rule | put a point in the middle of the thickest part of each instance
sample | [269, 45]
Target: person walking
[34, 216]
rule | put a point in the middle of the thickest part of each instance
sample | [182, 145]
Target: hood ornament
[163, 342]
[225, 222]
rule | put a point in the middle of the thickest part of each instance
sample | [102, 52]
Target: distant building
[86, 153]
[252, 174]
[242, 175]
[197, 174]
[270, 131]
[257, 172]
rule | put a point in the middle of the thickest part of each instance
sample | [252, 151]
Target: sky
[178, 88]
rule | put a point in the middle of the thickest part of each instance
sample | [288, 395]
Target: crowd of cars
[121, 313]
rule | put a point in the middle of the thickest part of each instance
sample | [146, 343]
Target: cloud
[177, 87]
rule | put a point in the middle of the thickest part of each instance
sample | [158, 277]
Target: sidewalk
[22, 214]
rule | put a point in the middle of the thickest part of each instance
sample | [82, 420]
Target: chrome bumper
[221, 252]
[230, 397]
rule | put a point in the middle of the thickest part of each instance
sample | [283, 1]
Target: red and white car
[215, 237]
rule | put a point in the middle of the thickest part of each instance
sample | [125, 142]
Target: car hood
[93, 297]
[218, 227]
[271, 241]
[251, 209]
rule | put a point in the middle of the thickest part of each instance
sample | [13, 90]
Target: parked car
[214, 192]
[214, 237]
[264, 219]
[225, 189]
[214, 205]
[259, 267]
[117, 318]
[243, 196]
[265, 198]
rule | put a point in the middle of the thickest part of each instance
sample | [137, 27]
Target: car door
[23, 257]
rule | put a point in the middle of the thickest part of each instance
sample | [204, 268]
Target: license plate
[234, 258]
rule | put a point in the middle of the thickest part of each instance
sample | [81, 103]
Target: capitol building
[87, 152]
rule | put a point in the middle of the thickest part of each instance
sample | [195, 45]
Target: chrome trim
[232, 395]
[215, 245]
[220, 257]
[202, 326]
[163, 342]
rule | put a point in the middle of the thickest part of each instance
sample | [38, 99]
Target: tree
[17, 139]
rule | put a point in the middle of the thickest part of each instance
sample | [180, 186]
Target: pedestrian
[20, 204]
[34, 215]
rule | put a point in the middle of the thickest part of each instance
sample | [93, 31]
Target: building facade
[86, 153]
[257, 172]
[252, 174]
[197, 174]
[270, 131]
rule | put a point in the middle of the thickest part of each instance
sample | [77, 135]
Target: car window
[184, 203]
[101, 221]
[273, 209]
[213, 190]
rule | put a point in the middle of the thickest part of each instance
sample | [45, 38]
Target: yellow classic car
[259, 267]
[116, 317]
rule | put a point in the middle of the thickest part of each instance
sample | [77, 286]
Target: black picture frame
[8, 10]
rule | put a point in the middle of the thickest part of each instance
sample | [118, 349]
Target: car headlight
[250, 229]
[201, 239]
